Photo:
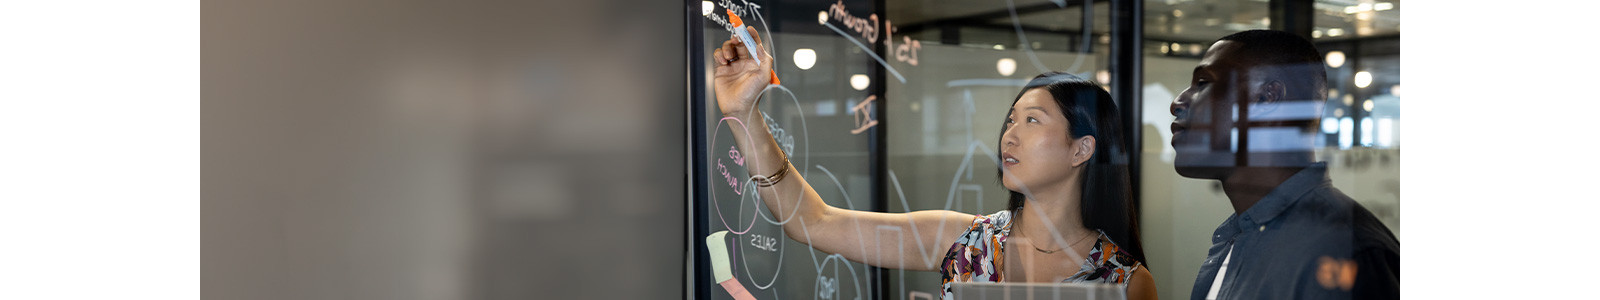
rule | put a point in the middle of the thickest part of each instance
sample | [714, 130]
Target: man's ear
[1085, 150]
[1267, 97]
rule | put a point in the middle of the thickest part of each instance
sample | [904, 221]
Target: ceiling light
[1395, 90]
[1177, 13]
[1382, 6]
[1103, 76]
[805, 58]
[822, 17]
[1335, 59]
[1006, 66]
[1350, 9]
[860, 81]
[1335, 32]
[1367, 105]
[1316, 34]
[1363, 79]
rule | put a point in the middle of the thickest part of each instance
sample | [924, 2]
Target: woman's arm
[915, 240]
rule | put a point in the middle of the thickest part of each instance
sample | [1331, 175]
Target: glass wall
[897, 106]
[944, 122]
[1359, 139]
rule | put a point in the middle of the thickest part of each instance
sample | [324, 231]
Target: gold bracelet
[783, 171]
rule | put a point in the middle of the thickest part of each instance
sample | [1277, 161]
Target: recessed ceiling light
[1363, 79]
[1006, 66]
[805, 58]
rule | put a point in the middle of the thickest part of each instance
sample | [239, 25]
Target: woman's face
[1036, 151]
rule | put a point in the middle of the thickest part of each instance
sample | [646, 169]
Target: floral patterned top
[977, 256]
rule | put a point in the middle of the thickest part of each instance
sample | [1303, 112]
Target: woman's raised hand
[739, 79]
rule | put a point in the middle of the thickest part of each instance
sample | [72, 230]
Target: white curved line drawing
[956, 189]
[776, 271]
[805, 133]
[1088, 35]
[848, 205]
[755, 158]
[843, 263]
[868, 51]
[900, 245]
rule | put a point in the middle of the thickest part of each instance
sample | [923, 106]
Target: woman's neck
[1050, 217]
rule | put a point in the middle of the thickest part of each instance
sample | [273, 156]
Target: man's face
[1203, 128]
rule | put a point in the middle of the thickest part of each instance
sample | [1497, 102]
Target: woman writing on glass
[1068, 219]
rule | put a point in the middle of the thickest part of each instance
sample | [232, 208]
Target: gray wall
[442, 150]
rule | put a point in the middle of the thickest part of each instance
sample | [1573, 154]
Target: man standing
[1249, 119]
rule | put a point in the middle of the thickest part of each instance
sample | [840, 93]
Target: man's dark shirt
[1302, 230]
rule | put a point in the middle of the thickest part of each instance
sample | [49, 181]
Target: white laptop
[1039, 291]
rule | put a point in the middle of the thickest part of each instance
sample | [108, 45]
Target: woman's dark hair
[1106, 203]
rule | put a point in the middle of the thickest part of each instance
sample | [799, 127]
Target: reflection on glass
[1385, 133]
[1346, 127]
[1366, 131]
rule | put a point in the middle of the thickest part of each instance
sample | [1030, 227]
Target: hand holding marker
[749, 43]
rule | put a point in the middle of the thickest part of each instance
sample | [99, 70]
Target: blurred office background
[442, 150]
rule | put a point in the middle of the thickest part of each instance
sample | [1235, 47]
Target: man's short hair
[1292, 60]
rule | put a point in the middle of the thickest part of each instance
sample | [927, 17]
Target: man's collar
[1286, 194]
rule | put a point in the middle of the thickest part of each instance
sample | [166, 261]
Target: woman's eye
[1032, 120]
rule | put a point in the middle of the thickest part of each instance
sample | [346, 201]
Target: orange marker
[749, 42]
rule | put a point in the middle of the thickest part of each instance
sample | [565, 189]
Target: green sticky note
[720, 271]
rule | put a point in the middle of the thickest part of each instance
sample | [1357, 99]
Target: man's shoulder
[1330, 214]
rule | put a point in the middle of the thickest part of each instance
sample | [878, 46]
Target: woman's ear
[1085, 151]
